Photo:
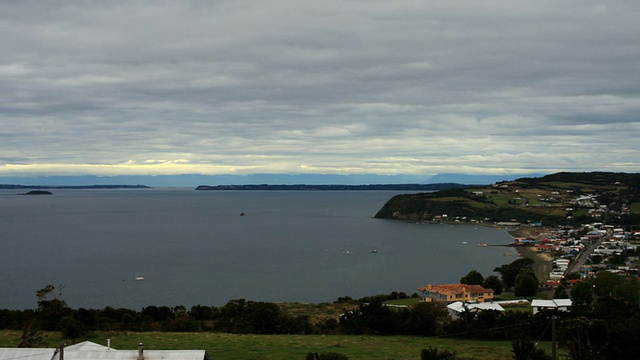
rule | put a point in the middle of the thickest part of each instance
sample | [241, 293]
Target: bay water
[209, 247]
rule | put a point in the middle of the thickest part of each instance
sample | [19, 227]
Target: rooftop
[446, 289]
[91, 351]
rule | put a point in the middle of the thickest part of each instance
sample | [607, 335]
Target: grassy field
[294, 347]
[404, 302]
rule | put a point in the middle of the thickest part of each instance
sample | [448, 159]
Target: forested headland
[557, 199]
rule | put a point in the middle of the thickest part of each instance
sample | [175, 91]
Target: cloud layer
[388, 87]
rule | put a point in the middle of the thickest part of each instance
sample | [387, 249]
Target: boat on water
[347, 253]
[139, 278]
[374, 251]
[483, 244]
[464, 243]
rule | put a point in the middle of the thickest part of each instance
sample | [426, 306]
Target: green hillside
[562, 198]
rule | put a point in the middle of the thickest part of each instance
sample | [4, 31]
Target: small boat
[464, 243]
[347, 253]
[483, 244]
[139, 278]
[374, 251]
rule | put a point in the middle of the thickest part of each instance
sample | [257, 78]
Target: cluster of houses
[583, 250]
[587, 249]
[461, 298]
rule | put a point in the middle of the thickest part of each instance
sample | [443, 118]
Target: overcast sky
[345, 87]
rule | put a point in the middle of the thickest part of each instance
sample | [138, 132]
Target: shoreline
[542, 265]
[543, 262]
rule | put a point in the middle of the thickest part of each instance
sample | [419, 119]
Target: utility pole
[553, 337]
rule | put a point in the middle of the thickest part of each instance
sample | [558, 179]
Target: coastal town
[579, 253]
[574, 228]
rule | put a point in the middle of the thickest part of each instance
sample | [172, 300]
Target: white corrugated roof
[26, 354]
[86, 345]
[459, 306]
[133, 355]
[91, 351]
[563, 302]
[542, 303]
[551, 303]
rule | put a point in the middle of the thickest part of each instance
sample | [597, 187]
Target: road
[582, 257]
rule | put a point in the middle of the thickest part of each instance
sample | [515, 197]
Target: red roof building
[455, 292]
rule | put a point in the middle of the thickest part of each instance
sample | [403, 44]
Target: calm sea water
[193, 247]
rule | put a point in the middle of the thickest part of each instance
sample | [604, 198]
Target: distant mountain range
[192, 180]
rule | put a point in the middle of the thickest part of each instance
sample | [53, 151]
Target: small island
[38, 192]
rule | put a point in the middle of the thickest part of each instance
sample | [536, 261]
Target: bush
[326, 356]
[526, 350]
[434, 354]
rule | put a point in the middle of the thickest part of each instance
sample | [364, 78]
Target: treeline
[237, 316]
[252, 317]
[603, 322]
[607, 326]
[592, 178]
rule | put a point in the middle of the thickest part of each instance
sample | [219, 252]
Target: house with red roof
[455, 292]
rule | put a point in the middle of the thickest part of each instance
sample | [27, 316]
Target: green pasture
[293, 347]
[405, 302]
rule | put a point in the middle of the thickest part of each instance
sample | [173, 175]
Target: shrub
[526, 350]
[434, 354]
[326, 356]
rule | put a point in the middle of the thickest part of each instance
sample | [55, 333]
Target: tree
[611, 309]
[493, 282]
[511, 270]
[624, 288]
[424, 317]
[581, 296]
[596, 259]
[526, 283]
[584, 339]
[560, 292]
[50, 308]
[623, 339]
[31, 337]
[472, 278]
[572, 276]
[200, 312]
[71, 328]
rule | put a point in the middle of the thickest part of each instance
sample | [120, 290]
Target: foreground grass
[293, 347]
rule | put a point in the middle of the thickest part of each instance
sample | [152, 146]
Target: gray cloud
[341, 86]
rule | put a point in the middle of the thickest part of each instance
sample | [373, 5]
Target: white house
[457, 308]
[556, 304]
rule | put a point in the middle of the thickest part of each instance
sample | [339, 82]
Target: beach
[542, 261]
